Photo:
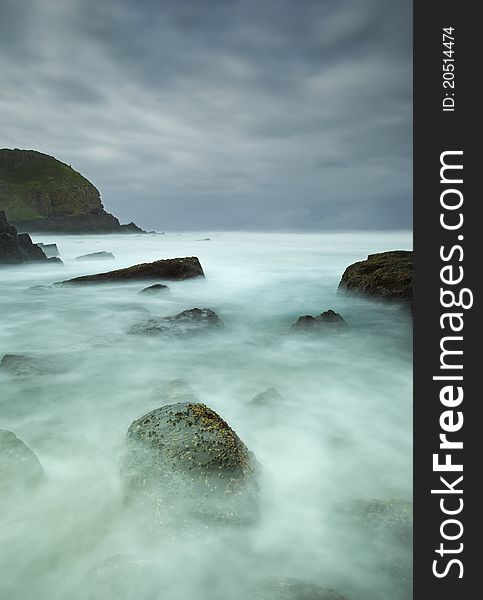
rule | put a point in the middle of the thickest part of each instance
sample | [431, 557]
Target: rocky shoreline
[182, 466]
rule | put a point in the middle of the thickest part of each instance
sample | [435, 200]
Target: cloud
[219, 114]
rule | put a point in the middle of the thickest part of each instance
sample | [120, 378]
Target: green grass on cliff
[34, 185]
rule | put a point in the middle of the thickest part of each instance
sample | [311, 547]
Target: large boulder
[40, 193]
[183, 461]
[328, 320]
[286, 588]
[20, 469]
[188, 322]
[388, 276]
[170, 268]
[17, 248]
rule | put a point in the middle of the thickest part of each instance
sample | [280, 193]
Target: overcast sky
[209, 114]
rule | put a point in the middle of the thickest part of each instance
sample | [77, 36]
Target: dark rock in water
[326, 320]
[131, 228]
[17, 248]
[50, 250]
[170, 268]
[204, 240]
[55, 260]
[97, 256]
[40, 193]
[20, 469]
[285, 588]
[124, 577]
[194, 320]
[183, 461]
[155, 289]
[388, 276]
[20, 365]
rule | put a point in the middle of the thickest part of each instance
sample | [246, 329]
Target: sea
[338, 433]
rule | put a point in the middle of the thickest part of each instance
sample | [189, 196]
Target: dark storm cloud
[219, 113]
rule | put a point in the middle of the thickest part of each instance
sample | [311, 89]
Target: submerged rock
[177, 390]
[385, 528]
[20, 365]
[20, 469]
[385, 518]
[285, 588]
[326, 320]
[170, 268]
[96, 256]
[387, 275]
[125, 577]
[188, 322]
[184, 461]
[50, 250]
[155, 289]
[270, 398]
[39, 289]
[17, 248]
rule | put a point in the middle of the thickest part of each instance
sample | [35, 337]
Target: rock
[20, 469]
[50, 250]
[39, 289]
[124, 577]
[170, 268]
[194, 320]
[155, 289]
[183, 461]
[97, 256]
[388, 276]
[132, 228]
[20, 365]
[385, 518]
[328, 320]
[204, 240]
[17, 248]
[40, 193]
[388, 524]
[270, 398]
[285, 588]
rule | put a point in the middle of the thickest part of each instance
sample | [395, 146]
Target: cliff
[41, 194]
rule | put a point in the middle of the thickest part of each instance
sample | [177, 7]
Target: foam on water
[343, 433]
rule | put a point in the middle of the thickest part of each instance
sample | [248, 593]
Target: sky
[219, 114]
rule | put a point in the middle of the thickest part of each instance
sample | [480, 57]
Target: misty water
[342, 433]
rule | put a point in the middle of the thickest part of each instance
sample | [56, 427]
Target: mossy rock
[387, 276]
[183, 461]
[172, 269]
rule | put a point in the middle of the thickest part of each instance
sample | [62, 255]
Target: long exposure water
[342, 431]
